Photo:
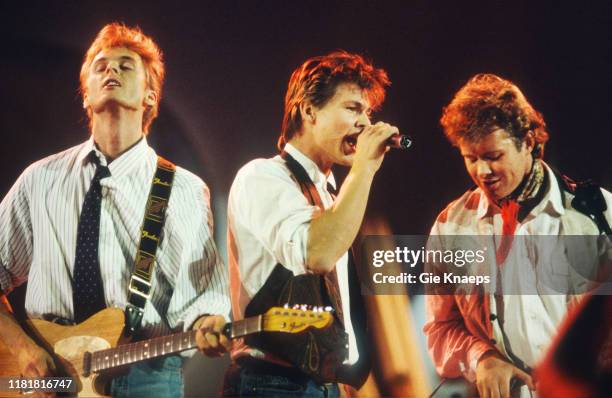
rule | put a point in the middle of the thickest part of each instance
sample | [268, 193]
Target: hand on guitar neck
[209, 336]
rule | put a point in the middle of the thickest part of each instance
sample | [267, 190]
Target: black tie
[88, 290]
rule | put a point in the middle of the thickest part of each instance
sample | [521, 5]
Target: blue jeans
[241, 382]
[162, 377]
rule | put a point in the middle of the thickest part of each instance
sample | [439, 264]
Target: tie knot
[101, 171]
[331, 189]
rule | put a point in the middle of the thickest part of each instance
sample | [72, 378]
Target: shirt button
[493, 317]
[493, 341]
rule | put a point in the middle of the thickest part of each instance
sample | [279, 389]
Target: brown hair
[487, 103]
[316, 81]
[119, 35]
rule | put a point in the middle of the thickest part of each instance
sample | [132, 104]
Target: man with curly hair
[495, 338]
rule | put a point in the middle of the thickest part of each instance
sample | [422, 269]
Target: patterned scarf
[518, 204]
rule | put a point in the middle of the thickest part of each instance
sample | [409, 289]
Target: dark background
[228, 64]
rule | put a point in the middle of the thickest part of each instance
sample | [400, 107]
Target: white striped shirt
[39, 218]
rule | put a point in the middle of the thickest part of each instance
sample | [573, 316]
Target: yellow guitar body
[68, 344]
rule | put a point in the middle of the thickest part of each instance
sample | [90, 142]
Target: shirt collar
[551, 202]
[485, 207]
[83, 155]
[313, 171]
[121, 166]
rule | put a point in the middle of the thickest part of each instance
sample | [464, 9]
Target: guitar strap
[588, 200]
[139, 287]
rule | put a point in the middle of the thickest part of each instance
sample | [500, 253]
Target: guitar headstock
[295, 320]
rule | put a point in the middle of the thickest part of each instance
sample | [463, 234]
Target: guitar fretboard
[147, 349]
[142, 350]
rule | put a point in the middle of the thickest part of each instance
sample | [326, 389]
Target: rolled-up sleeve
[201, 284]
[15, 235]
[270, 205]
[454, 350]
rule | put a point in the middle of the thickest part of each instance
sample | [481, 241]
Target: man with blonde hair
[72, 225]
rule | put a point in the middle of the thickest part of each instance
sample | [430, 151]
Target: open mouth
[110, 83]
[351, 143]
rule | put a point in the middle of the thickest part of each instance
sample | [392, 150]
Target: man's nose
[112, 67]
[482, 168]
[364, 120]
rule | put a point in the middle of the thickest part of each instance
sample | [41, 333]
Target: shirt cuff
[192, 315]
[292, 254]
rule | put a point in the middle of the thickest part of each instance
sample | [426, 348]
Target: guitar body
[68, 344]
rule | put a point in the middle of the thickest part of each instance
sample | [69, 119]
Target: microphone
[399, 141]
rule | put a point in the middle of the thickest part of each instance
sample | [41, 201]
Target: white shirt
[531, 320]
[268, 223]
[39, 218]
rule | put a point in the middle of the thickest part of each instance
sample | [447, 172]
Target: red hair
[316, 81]
[118, 35]
[487, 103]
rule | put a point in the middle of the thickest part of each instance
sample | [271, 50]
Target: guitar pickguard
[74, 346]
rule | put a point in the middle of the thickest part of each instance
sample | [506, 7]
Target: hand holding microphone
[399, 141]
[374, 141]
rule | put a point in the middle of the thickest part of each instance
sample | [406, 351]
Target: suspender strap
[357, 373]
[499, 303]
[312, 195]
[139, 288]
[306, 185]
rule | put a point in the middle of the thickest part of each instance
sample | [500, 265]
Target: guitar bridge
[87, 364]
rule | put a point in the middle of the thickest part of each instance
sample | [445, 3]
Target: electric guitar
[90, 351]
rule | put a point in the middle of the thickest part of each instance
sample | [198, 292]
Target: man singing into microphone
[495, 338]
[284, 224]
[72, 223]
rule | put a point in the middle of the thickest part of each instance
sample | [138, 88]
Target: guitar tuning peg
[286, 306]
[329, 309]
[296, 307]
[304, 307]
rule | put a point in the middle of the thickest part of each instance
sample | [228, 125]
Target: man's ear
[150, 98]
[85, 101]
[529, 140]
[308, 112]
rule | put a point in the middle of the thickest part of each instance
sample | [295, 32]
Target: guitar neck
[148, 349]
